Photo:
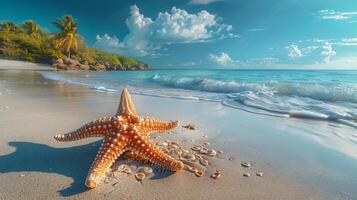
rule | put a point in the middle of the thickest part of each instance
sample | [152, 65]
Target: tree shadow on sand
[72, 162]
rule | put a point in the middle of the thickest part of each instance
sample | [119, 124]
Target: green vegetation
[29, 42]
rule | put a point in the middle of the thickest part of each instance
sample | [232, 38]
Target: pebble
[220, 152]
[260, 174]
[246, 174]
[22, 175]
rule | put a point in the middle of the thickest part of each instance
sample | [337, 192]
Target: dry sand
[34, 166]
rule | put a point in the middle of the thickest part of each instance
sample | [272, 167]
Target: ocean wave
[325, 102]
[327, 92]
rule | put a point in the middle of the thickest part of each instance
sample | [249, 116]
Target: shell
[220, 152]
[140, 176]
[246, 174]
[260, 174]
[191, 169]
[196, 148]
[146, 170]
[216, 174]
[199, 173]
[189, 157]
[211, 152]
[204, 162]
[127, 170]
[246, 164]
[204, 150]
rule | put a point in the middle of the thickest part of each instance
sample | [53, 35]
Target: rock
[246, 174]
[59, 61]
[67, 61]
[83, 67]
[85, 62]
[260, 174]
[100, 67]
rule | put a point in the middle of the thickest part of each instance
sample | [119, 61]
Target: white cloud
[294, 51]
[146, 35]
[222, 59]
[327, 52]
[202, 2]
[336, 15]
[255, 30]
[318, 52]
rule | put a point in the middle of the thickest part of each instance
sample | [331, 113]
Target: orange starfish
[126, 131]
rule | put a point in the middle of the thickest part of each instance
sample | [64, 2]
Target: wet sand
[35, 166]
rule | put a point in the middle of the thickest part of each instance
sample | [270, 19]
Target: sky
[264, 34]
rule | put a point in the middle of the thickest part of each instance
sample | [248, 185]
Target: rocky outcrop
[73, 64]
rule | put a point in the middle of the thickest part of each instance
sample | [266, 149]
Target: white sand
[21, 65]
[34, 166]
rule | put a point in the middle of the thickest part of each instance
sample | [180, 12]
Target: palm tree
[68, 37]
[9, 26]
[31, 28]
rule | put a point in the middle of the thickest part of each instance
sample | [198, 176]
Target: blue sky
[294, 34]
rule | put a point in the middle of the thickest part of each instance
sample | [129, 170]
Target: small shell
[204, 162]
[186, 151]
[246, 164]
[220, 152]
[199, 173]
[189, 157]
[211, 152]
[191, 169]
[206, 143]
[120, 168]
[127, 170]
[190, 127]
[204, 150]
[164, 144]
[216, 174]
[260, 174]
[146, 170]
[196, 148]
[140, 176]
[246, 174]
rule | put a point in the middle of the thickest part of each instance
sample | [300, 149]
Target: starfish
[125, 132]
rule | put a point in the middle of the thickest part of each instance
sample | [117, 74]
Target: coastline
[46, 107]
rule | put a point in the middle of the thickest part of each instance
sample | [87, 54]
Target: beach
[297, 160]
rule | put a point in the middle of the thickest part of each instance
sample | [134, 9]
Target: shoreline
[64, 107]
[22, 65]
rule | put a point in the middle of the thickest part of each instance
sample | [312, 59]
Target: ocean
[329, 95]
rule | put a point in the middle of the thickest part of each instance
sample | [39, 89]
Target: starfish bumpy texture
[126, 132]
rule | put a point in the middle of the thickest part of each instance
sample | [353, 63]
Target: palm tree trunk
[69, 54]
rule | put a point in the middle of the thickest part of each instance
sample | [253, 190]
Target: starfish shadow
[72, 162]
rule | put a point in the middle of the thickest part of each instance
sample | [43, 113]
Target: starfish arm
[96, 128]
[149, 125]
[153, 154]
[110, 150]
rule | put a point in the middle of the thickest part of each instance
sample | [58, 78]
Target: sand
[21, 65]
[35, 166]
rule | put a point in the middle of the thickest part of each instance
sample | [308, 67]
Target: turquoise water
[313, 95]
